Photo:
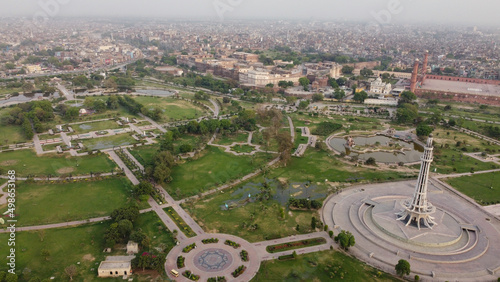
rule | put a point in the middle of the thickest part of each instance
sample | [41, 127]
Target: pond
[411, 151]
[279, 192]
[155, 92]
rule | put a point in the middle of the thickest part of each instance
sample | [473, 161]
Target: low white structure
[379, 87]
[132, 247]
[385, 102]
[115, 266]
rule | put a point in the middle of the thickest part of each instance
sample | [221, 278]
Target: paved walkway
[292, 129]
[311, 142]
[131, 157]
[159, 127]
[216, 109]
[38, 146]
[130, 175]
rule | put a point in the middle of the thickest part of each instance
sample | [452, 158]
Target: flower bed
[286, 257]
[232, 244]
[188, 248]
[179, 222]
[217, 279]
[180, 262]
[210, 241]
[295, 245]
[244, 255]
[188, 274]
[238, 271]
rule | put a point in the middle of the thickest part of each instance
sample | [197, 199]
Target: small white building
[115, 266]
[132, 247]
[379, 87]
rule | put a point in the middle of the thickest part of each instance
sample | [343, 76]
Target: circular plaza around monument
[463, 244]
[215, 255]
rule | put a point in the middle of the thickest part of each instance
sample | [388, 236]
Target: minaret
[414, 77]
[424, 67]
[418, 209]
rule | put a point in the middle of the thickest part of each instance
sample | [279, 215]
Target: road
[159, 127]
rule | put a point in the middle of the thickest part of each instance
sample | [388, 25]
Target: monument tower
[414, 76]
[418, 209]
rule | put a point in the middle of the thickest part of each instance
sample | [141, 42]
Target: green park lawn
[320, 266]
[11, 134]
[238, 221]
[144, 154]
[228, 139]
[484, 188]
[65, 246]
[82, 244]
[95, 126]
[60, 202]
[173, 109]
[213, 168]
[26, 162]
[242, 148]
[101, 143]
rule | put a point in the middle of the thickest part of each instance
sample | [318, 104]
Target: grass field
[123, 139]
[320, 266]
[95, 126]
[11, 134]
[82, 244]
[144, 154]
[215, 167]
[25, 162]
[484, 188]
[173, 109]
[230, 138]
[66, 246]
[242, 148]
[50, 202]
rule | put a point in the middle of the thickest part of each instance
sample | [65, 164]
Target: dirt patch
[8, 163]
[65, 170]
[88, 257]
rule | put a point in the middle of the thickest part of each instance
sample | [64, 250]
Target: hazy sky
[393, 11]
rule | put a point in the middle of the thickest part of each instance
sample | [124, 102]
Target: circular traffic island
[217, 256]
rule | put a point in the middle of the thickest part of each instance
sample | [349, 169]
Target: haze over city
[460, 12]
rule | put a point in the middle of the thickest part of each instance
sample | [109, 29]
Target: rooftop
[462, 87]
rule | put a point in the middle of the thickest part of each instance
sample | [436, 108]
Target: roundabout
[463, 244]
[211, 256]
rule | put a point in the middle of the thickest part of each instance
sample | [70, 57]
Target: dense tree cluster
[304, 203]
[345, 239]
[327, 128]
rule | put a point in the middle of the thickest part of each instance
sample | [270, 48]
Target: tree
[333, 83]
[226, 100]
[99, 105]
[162, 173]
[10, 66]
[452, 122]
[71, 113]
[339, 94]
[80, 80]
[406, 114]
[424, 129]
[341, 81]
[313, 223]
[112, 102]
[347, 70]
[304, 81]
[131, 212]
[366, 72]
[303, 104]
[110, 84]
[371, 161]
[70, 271]
[403, 267]
[360, 97]
[285, 146]
[291, 99]
[407, 97]
[143, 188]
[28, 87]
[317, 97]
[345, 239]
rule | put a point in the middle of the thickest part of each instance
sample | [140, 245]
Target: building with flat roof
[115, 266]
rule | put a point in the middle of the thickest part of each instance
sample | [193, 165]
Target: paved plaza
[463, 246]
